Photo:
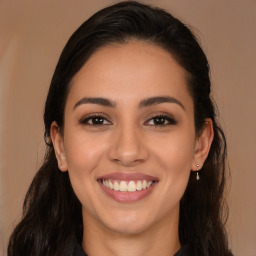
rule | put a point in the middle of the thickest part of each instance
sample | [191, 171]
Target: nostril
[128, 162]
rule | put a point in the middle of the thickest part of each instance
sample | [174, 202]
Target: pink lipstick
[127, 187]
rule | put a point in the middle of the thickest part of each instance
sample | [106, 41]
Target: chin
[128, 224]
[128, 228]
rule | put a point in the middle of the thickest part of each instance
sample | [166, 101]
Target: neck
[162, 239]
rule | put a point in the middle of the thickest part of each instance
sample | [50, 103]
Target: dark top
[184, 251]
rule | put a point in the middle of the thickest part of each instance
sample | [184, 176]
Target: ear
[58, 144]
[203, 145]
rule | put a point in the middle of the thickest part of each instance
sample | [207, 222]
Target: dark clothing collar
[184, 251]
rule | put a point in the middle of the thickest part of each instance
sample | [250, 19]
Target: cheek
[83, 155]
[174, 156]
[175, 152]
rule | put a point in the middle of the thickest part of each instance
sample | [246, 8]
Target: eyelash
[161, 118]
[86, 120]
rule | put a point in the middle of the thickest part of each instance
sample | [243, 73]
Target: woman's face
[129, 140]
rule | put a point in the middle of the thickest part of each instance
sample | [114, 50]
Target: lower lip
[124, 197]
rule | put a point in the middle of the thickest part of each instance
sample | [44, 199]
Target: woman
[135, 159]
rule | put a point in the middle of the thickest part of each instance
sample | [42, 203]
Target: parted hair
[52, 215]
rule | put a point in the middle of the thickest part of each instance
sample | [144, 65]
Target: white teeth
[132, 186]
[144, 184]
[139, 185]
[116, 186]
[125, 186]
[111, 185]
[149, 184]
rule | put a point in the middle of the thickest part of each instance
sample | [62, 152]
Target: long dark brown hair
[52, 218]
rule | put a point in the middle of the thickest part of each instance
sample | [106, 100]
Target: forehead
[131, 70]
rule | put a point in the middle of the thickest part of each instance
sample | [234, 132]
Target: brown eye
[95, 120]
[161, 121]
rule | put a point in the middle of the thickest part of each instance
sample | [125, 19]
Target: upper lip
[127, 176]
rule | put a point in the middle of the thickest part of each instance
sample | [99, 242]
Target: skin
[129, 141]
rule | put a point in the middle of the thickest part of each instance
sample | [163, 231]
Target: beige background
[32, 35]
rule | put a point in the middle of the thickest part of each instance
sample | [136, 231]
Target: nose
[128, 147]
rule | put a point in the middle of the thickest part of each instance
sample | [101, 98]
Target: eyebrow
[144, 103]
[158, 100]
[98, 101]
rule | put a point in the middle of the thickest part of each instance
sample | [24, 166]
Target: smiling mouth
[127, 186]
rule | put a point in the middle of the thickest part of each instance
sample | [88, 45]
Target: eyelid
[86, 118]
[168, 117]
[171, 120]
